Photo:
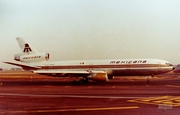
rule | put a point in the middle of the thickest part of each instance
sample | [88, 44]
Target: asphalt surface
[24, 93]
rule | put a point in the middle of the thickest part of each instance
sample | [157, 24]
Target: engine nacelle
[99, 77]
[31, 57]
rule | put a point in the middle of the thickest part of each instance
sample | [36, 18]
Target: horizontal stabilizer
[23, 65]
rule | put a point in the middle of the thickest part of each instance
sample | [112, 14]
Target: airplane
[96, 70]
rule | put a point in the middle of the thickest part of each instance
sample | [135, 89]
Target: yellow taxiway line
[168, 100]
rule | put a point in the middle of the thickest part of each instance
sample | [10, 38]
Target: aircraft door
[90, 66]
[159, 65]
[128, 66]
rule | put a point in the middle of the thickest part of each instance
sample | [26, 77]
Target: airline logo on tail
[27, 48]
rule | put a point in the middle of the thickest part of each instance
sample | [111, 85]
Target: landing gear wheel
[148, 80]
[75, 81]
[84, 80]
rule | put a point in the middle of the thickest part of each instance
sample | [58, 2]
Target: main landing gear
[83, 80]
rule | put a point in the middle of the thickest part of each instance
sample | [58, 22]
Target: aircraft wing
[23, 65]
[67, 71]
[100, 75]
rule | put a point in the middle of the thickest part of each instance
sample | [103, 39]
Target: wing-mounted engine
[31, 57]
[99, 77]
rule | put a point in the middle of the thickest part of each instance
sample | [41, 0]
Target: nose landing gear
[149, 78]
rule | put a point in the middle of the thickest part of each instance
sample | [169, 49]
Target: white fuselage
[115, 67]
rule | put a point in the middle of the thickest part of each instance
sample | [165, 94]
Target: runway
[24, 93]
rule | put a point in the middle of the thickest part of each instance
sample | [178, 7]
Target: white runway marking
[68, 110]
[73, 96]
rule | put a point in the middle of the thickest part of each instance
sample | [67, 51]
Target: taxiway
[26, 93]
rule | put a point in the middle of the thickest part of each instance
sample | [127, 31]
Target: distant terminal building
[16, 69]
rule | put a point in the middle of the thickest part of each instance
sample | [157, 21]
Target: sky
[92, 29]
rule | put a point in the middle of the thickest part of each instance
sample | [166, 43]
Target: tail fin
[25, 47]
[29, 54]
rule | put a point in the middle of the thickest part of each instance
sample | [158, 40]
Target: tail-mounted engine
[31, 57]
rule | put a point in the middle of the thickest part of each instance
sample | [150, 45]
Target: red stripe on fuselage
[102, 66]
